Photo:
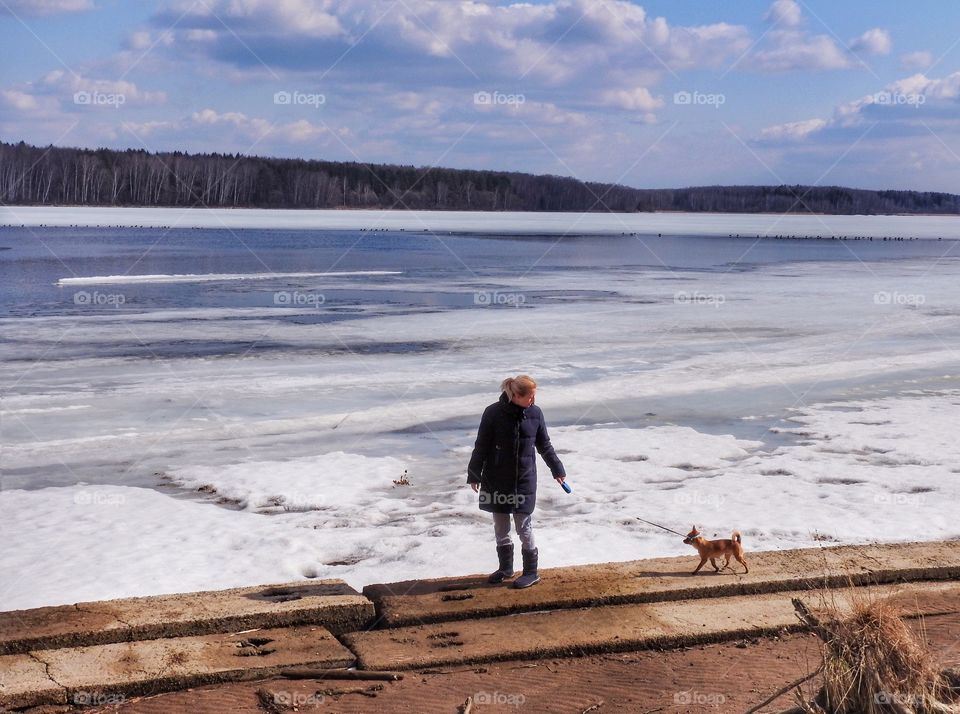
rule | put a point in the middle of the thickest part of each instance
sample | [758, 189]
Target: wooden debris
[341, 674]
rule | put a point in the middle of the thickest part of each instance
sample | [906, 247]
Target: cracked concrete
[331, 603]
[620, 628]
[662, 579]
[78, 674]
[146, 645]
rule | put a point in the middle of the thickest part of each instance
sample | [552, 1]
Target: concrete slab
[617, 628]
[331, 603]
[103, 673]
[24, 682]
[662, 579]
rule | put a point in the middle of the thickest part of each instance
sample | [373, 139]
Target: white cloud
[256, 129]
[916, 60]
[148, 128]
[550, 114]
[792, 50]
[875, 42]
[947, 88]
[310, 18]
[637, 99]
[15, 99]
[140, 40]
[793, 131]
[555, 41]
[60, 90]
[66, 85]
[44, 7]
[417, 102]
[785, 13]
[897, 103]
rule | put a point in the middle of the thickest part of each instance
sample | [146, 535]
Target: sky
[653, 94]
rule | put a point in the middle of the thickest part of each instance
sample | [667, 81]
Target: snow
[854, 479]
[506, 222]
[799, 409]
[211, 277]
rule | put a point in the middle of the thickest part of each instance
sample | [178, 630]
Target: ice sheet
[211, 277]
[500, 222]
[802, 403]
[854, 478]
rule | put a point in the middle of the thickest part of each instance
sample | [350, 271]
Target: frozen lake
[193, 408]
[494, 223]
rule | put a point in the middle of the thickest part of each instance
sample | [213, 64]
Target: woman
[503, 469]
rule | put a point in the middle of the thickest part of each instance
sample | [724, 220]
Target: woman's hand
[559, 479]
[475, 487]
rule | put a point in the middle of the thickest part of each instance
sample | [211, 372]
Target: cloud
[875, 42]
[785, 13]
[900, 105]
[17, 100]
[69, 85]
[787, 47]
[792, 131]
[256, 129]
[916, 60]
[456, 42]
[43, 7]
[636, 99]
[791, 50]
[310, 18]
[61, 91]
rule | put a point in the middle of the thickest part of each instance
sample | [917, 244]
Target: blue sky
[649, 94]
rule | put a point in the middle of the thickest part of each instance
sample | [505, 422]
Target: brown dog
[713, 549]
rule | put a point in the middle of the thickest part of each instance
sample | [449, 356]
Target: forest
[52, 176]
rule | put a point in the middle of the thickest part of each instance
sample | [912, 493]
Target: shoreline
[134, 650]
[500, 223]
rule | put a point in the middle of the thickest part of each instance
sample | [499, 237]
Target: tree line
[31, 175]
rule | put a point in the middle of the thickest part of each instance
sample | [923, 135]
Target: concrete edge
[388, 620]
[70, 695]
[622, 645]
[368, 657]
[211, 626]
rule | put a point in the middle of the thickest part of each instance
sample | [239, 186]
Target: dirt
[727, 677]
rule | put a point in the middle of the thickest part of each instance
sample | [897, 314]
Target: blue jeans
[524, 525]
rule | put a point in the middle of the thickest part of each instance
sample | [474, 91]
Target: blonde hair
[519, 386]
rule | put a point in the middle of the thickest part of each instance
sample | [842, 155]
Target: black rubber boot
[505, 554]
[530, 576]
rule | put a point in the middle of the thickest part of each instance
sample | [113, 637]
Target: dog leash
[659, 526]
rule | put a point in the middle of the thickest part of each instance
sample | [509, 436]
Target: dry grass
[873, 663]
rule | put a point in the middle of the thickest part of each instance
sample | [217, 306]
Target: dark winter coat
[504, 462]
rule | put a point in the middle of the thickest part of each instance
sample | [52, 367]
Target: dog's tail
[736, 537]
